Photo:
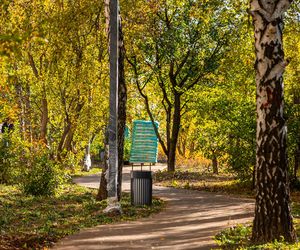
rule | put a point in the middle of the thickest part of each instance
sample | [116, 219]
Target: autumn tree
[273, 218]
[55, 67]
[177, 46]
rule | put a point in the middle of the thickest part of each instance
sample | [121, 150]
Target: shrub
[9, 167]
[234, 236]
[42, 178]
[5, 160]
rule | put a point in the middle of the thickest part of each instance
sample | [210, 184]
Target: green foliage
[29, 222]
[42, 178]
[57, 53]
[71, 161]
[127, 147]
[28, 165]
[234, 237]
[295, 184]
[239, 237]
[55, 70]
[175, 52]
[6, 160]
[12, 158]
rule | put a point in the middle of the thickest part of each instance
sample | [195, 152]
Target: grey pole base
[141, 188]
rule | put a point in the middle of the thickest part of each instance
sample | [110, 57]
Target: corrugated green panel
[148, 143]
[144, 142]
[127, 132]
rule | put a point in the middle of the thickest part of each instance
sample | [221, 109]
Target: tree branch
[180, 66]
[33, 66]
[147, 106]
[212, 56]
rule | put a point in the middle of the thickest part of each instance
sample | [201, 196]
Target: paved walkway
[190, 221]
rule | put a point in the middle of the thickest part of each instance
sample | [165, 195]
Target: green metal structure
[144, 144]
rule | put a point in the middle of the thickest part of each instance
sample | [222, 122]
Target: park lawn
[28, 222]
[78, 172]
[238, 237]
[222, 183]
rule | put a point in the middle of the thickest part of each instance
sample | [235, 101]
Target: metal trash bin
[141, 188]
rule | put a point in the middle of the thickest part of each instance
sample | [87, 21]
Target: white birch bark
[87, 158]
[272, 211]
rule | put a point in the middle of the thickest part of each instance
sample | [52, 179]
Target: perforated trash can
[141, 188]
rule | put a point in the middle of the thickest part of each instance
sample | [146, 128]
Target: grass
[78, 172]
[28, 222]
[222, 183]
[239, 237]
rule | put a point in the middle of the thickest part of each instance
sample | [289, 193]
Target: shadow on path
[190, 221]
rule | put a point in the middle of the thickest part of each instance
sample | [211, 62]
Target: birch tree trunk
[87, 163]
[112, 174]
[272, 209]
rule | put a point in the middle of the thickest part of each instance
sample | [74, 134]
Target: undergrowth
[239, 237]
[28, 222]
[222, 183]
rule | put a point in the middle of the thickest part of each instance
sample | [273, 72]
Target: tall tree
[173, 51]
[273, 217]
[52, 73]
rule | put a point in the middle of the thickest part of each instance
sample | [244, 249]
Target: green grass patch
[78, 172]
[28, 222]
[239, 237]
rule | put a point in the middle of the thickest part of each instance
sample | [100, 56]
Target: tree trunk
[215, 164]
[69, 130]
[297, 159]
[60, 146]
[272, 209]
[171, 159]
[27, 107]
[253, 178]
[175, 133]
[69, 139]
[44, 102]
[44, 120]
[122, 99]
[102, 191]
[21, 107]
[181, 146]
[87, 157]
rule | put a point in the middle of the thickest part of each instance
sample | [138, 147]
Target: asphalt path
[190, 221]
